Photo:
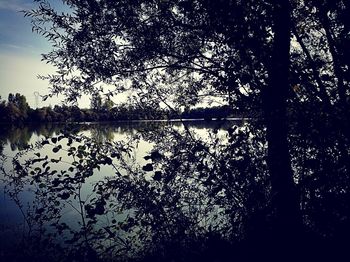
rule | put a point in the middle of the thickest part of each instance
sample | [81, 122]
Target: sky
[20, 54]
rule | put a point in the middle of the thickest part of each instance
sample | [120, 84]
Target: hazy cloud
[15, 5]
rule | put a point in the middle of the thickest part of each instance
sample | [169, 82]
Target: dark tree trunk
[285, 202]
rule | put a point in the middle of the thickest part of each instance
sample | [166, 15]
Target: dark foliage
[270, 189]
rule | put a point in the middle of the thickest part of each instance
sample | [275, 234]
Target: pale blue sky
[20, 51]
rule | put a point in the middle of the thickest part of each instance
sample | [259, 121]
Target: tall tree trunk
[285, 202]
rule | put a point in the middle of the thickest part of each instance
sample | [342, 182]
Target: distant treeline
[16, 109]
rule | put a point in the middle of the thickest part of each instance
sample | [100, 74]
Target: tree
[96, 102]
[2, 109]
[178, 51]
[196, 47]
[284, 196]
[20, 102]
[108, 104]
[17, 107]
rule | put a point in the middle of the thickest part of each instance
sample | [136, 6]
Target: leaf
[54, 140]
[157, 176]
[115, 155]
[155, 155]
[108, 161]
[56, 149]
[147, 157]
[45, 142]
[56, 182]
[64, 195]
[70, 141]
[147, 168]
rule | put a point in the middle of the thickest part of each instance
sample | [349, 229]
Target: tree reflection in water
[192, 193]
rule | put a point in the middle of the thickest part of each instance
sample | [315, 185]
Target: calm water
[126, 191]
[118, 189]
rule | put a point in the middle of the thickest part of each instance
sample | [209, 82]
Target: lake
[120, 189]
[162, 191]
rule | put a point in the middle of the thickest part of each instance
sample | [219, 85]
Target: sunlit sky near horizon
[20, 54]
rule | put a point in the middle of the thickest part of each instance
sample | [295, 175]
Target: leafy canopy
[179, 50]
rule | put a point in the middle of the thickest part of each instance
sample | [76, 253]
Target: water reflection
[19, 136]
[166, 191]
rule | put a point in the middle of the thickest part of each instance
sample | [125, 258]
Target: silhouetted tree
[284, 196]
[96, 102]
[20, 102]
[176, 52]
[180, 50]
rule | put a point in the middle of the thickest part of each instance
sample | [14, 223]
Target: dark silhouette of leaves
[147, 167]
